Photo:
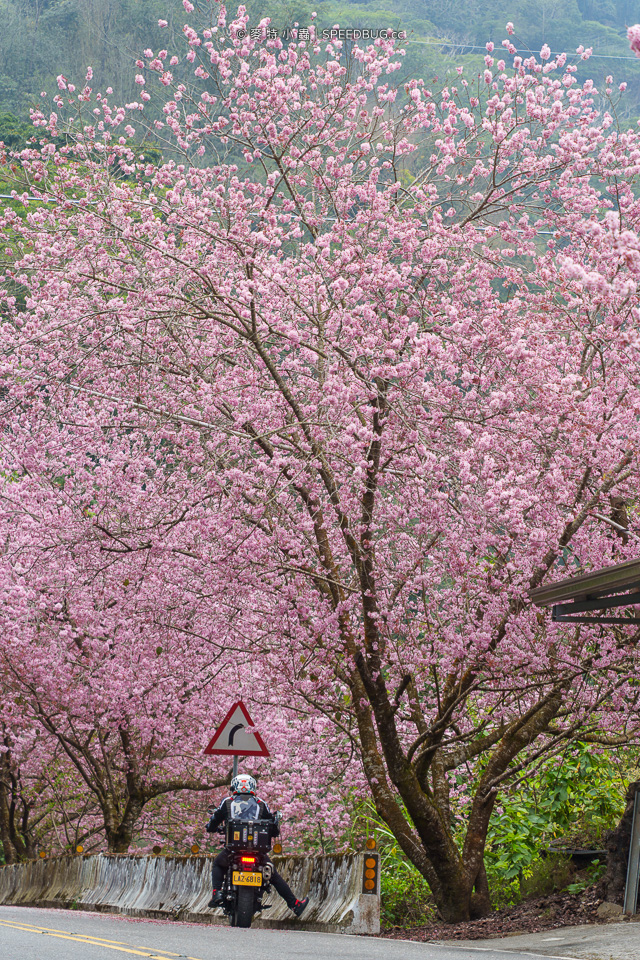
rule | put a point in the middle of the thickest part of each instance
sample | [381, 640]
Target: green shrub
[406, 900]
[547, 875]
[573, 799]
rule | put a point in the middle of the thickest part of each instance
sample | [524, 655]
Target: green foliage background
[569, 804]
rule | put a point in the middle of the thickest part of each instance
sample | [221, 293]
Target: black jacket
[223, 813]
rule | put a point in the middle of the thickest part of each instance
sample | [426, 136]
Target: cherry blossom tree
[345, 394]
[124, 660]
[118, 702]
[44, 804]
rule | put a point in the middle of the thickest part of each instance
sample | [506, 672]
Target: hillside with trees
[41, 39]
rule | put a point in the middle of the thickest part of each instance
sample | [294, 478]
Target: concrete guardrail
[180, 887]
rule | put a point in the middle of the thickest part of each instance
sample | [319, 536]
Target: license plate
[247, 879]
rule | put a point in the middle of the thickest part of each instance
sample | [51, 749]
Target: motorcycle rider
[246, 806]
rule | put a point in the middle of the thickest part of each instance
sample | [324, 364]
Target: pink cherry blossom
[633, 36]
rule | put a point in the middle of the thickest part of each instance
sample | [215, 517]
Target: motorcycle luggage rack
[249, 835]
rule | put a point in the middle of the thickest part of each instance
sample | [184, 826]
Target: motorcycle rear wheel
[245, 905]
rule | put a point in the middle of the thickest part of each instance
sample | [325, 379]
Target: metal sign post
[633, 868]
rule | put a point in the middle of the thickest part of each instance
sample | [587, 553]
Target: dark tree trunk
[10, 853]
[17, 843]
[617, 845]
[120, 841]
[481, 897]
[119, 829]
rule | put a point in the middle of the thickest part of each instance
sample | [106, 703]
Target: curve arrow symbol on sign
[233, 731]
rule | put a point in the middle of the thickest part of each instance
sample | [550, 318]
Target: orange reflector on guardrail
[370, 873]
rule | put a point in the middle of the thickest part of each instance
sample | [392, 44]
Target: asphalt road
[28, 933]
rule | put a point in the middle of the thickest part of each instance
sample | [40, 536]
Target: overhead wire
[462, 48]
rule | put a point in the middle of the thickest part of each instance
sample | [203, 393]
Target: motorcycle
[248, 878]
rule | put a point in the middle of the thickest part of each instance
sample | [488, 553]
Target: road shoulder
[610, 941]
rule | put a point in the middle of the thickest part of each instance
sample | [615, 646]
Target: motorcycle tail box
[249, 835]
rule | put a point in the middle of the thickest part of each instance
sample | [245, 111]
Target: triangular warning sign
[232, 737]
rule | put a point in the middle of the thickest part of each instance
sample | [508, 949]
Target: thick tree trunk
[119, 830]
[120, 839]
[617, 845]
[480, 904]
[462, 898]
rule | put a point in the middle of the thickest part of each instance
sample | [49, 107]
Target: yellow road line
[92, 941]
[39, 929]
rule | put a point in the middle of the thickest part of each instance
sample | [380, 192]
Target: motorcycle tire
[245, 905]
